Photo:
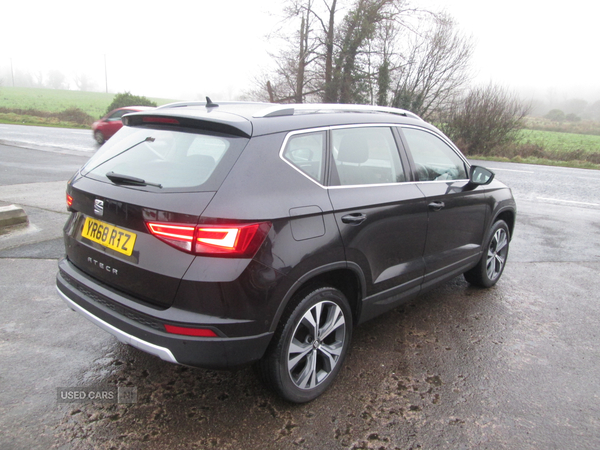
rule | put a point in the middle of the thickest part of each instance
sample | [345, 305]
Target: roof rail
[291, 109]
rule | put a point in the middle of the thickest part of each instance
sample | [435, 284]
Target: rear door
[381, 216]
[456, 215]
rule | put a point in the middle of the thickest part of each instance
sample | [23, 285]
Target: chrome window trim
[403, 183]
[353, 186]
[285, 143]
[328, 128]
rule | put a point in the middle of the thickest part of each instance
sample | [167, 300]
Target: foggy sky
[192, 48]
[549, 48]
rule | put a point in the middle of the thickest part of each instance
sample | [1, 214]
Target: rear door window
[173, 159]
[365, 155]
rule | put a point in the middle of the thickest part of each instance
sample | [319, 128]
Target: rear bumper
[143, 327]
[161, 352]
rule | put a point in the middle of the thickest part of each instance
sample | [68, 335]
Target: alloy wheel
[496, 255]
[316, 345]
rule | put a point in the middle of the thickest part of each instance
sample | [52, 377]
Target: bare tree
[486, 118]
[298, 75]
[385, 40]
[329, 30]
[83, 81]
[342, 52]
[433, 70]
[39, 78]
[593, 111]
[358, 29]
[57, 80]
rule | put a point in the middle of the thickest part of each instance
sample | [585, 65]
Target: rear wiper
[118, 178]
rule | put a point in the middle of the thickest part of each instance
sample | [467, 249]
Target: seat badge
[98, 207]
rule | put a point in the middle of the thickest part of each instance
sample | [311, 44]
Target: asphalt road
[512, 367]
[47, 138]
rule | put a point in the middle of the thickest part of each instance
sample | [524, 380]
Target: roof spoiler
[154, 119]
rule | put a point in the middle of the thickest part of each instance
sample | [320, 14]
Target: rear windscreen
[169, 159]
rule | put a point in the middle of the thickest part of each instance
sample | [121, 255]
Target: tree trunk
[270, 91]
[329, 95]
[301, 59]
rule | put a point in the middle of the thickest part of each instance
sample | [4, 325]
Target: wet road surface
[462, 368]
[63, 140]
[515, 366]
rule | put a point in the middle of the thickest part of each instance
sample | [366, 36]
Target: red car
[111, 123]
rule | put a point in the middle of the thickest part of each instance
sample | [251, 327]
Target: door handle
[436, 206]
[354, 219]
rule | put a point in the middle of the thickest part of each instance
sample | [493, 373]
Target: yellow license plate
[108, 235]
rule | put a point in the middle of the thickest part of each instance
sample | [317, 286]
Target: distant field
[54, 100]
[557, 142]
[576, 144]
[578, 127]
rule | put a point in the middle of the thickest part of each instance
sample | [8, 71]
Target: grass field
[556, 142]
[579, 127]
[54, 100]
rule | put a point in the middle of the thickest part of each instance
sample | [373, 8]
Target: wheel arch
[99, 136]
[509, 216]
[345, 276]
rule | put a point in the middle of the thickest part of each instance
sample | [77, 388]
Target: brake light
[151, 119]
[240, 241]
[219, 237]
[69, 201]
[201, 332]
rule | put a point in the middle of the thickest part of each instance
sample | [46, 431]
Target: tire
[309, 346]
[489, 269]
[99, 137]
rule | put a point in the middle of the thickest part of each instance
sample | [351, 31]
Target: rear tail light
[239, 241]
[69, 201]
[180, 236]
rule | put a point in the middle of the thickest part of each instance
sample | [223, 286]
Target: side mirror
[479, 176]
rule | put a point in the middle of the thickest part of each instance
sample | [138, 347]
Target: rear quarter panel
[304, 236]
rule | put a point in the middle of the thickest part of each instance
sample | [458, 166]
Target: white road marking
[512, 170]
[568, 201]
